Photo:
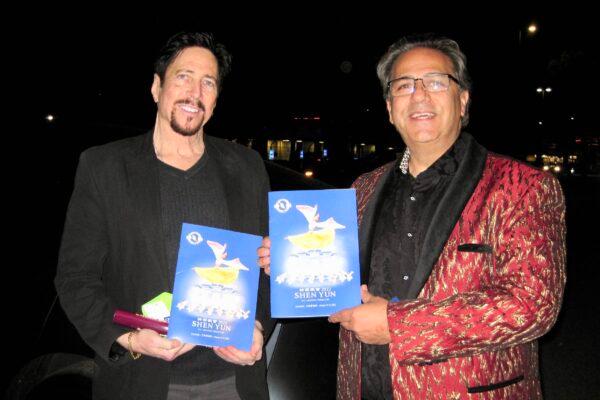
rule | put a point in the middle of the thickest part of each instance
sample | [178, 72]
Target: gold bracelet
[133, 355]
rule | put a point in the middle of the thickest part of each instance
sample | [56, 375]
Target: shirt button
[409, 234]
[405, 277]
[412, 198]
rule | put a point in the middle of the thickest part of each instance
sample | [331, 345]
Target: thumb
[364, 294]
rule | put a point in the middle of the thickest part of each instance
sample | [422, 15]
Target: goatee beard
[189, 130]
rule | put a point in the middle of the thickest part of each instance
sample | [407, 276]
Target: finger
[341, 316]
[264, 252]
[346, 325]
[184, 349]
[236, 356]
[365, 296]
[266, 242]
[224, 354]
[266, 266]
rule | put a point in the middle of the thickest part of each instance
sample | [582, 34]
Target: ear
[388, 105]
[155, 88]
[464, 100]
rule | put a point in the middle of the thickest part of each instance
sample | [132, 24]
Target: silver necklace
[404, 161]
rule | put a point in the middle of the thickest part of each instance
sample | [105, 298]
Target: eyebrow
[193, 72]
[427, 74]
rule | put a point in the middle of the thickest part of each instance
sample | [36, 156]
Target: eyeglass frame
[414, 88]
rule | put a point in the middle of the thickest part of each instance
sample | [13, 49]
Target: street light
[531, 30]
[543, 91]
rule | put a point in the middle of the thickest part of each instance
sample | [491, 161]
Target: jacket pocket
[495, 386]
[475, 247]
[438, 361]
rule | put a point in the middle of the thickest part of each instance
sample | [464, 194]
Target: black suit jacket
[112, 254]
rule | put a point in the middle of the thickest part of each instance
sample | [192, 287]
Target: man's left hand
[368, 321]
[239, 357]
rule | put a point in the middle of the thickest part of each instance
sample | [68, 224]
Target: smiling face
[424, 118]
[187, 97]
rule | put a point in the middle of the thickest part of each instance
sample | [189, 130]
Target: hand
[239, 357]
[368, 321]
[264, 255]
[150, 343]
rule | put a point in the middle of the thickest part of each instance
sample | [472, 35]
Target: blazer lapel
[367, 224]
[142, 175]
[448, 211]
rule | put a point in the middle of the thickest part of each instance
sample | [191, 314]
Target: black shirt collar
[446, 165]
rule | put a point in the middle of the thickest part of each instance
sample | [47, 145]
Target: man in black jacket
[120, 242]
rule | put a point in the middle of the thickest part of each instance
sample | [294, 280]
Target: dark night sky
[97, 67]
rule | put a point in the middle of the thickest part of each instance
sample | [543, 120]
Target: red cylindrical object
[136, 321]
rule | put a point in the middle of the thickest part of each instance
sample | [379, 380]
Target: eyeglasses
[432, 83]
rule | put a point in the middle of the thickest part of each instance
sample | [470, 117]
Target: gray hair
[444, 45]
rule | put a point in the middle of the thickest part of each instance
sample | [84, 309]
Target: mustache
[198, 103]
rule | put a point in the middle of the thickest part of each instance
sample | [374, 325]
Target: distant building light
[539, 122]
[545, 168]
[362, 144]
[324, 152]
[308, 173]
[556, 168]
[317, 118]
[532, 28]
[539, 90]
[301, 154]
[286, 140]
[49, 117]
[321, 142]
[548, 89]
[298, 141]
[390, 148]
[531, 158]
[572, 170]
[572, 118]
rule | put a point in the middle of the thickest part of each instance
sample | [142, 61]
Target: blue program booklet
[216, 286]
[314, 252]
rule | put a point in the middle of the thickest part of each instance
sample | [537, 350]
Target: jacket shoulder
[114, 150]
[505, 166]
[516, 178]
[371, 177]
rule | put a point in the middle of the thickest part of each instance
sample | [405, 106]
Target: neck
[422, 156]
[175, 149]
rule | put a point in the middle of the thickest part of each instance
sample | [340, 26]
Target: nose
[194, 90]
[419, 94]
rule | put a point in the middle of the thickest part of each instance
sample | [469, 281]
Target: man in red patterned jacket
[463, 250]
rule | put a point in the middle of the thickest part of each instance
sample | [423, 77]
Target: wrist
[130, 336]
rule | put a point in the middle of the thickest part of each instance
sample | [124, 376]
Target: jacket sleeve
[521, 303]
[84, 249]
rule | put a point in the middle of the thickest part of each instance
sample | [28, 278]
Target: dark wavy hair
[181, 41]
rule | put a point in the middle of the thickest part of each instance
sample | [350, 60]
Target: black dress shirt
[403, 217]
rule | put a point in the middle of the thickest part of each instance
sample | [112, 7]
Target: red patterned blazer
[489, 282]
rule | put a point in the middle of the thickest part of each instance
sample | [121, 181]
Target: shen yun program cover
[314, 252]
[215, 290]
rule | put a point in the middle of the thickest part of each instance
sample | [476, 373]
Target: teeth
[189, 108]
[422, 115]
